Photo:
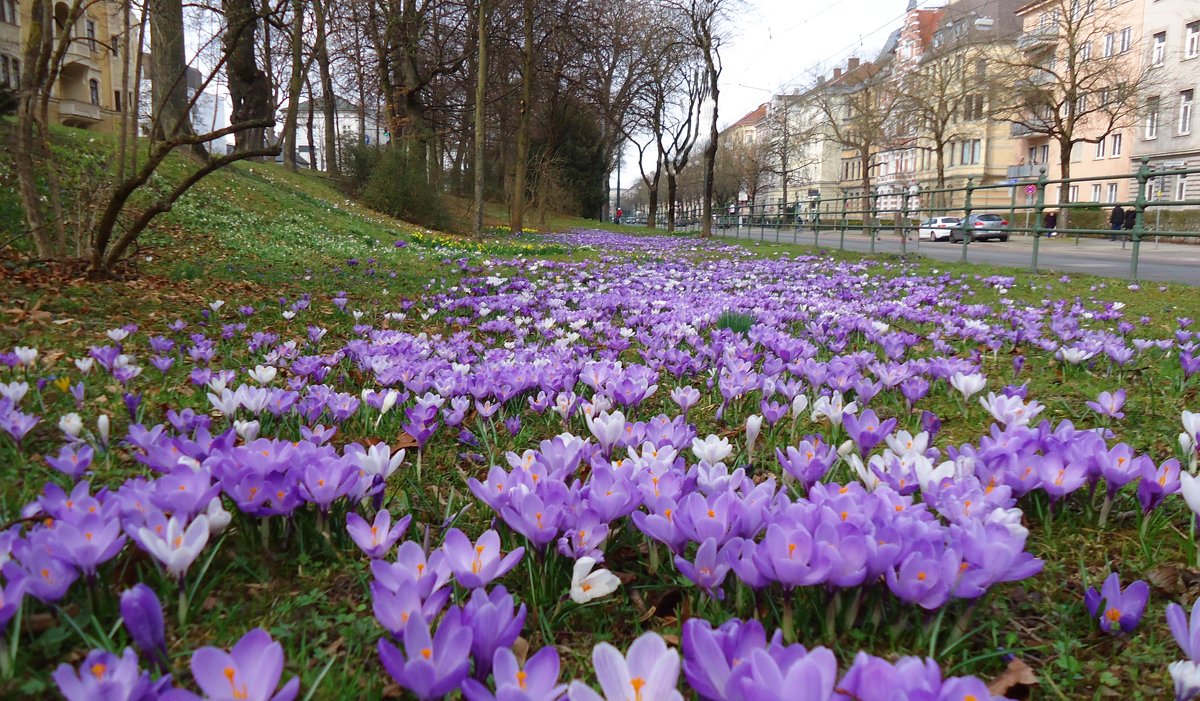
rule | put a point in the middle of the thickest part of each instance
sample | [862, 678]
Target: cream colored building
[88, 92]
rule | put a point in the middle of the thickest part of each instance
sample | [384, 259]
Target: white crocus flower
[84, 364]
[71, 424]
[712, 449]
[117, 335]
[968, 385]
[14, 391]
[218, 517]
[216, 304]
[587, 585]
[247, 430]
[178, 548]
[1186, 676]
[753, 427]
[102, 426]
[262, 374]
[25, 355]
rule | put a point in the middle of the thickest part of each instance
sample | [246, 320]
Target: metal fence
[1025, 215]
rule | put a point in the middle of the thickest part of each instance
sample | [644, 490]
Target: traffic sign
[1031, 189]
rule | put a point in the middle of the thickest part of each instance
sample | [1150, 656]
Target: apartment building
[1102, 40]
[88, 92]
[1168, 133]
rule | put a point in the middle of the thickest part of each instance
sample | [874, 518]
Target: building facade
[88, 92]
[1168, 134]
[351, 123]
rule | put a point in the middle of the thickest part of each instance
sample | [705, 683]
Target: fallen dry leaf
[1017, 678]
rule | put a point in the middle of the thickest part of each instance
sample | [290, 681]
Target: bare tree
[1077, 78]
[683, 124]
[857, 109]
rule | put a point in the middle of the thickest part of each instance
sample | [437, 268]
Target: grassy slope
[256, 233]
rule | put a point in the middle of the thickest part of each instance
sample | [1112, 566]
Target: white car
[937, 228]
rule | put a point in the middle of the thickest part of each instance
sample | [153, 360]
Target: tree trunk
[312, 152]
[480, 97]
[652, 217]
[295, 86]
[867, 211]
[31, 148]
[329, 106]
[517, 210]
[1065, 148]
[710, 151]
[168, 66]
[672, 186]
[249, 86]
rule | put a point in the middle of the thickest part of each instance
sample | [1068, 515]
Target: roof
[752, 119]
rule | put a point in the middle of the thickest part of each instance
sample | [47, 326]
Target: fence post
[816, 223]
[1139, 208]
[1039, 207]
[967, 232]
[842, 243]
[871, 205]
[904, 223]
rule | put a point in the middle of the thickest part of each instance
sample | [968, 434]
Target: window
[117, 100]
[1096, 192]
[1044, 154]
[1073, 194]
[94, 89]
[972, 107]
[90, 28]
[1181, 187]
[1192, 43]
[1126, 39]
[1112, 193]
[1116, 145]
[1109, 44]
[1186, 98]
[10, 73]
[1085, 51]
[1100, 149]
[8, 12]
[1033, 156]
[1081, 105]
[969, 151]
[1159, 53]
[1152, 118]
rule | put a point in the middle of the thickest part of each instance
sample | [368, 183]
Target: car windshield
[989, 217]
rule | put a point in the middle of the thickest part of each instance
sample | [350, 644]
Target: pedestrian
[1130, 220]
[1116, 221]
[1050, 222]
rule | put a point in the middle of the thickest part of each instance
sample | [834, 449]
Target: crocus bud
[71, 424]
[142, 614]
[389, 401]
[102, 426]
[799, 404]
[753, 426]
[846, 448]
[218, 517]
[247, 430]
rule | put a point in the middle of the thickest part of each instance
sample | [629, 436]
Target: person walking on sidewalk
[1130, 220]
[1116, 222]
[1050, 222]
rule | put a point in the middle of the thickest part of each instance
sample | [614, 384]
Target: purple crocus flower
[430, 666]
[494, 623]
[537, 681]
[807, 462]
[17, 424]
[1118, 611]
[250, 671]
[650, 670]
[104, 675]
[1109, 404]
[10, 600]
[90, 542]
[711, 566]
[378, 538]
[710, 655]
[73, 460]
[792, 677]
[476, 564]
[1185, 630]
[142, 614]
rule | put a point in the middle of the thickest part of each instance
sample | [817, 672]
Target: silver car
[983, 227]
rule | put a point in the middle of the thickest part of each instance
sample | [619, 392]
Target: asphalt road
[1164, 262]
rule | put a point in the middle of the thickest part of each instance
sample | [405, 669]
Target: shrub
[736, 322]
[358, 161]
[402, 191]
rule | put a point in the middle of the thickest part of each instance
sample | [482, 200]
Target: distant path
[1162, 262]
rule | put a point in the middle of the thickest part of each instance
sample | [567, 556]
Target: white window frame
[1158, 54]
[1191, 45]
[1100, 148]
[1110, 44]
[1073, 194]
[1126, 39]
[1117, 142]
[1153, 109]
[1085, 51]
[1112, 193]
[1096, 192]
[1181, 187]
[1187, 104]
[10, 12]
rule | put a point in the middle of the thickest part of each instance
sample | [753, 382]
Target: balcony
[1024, 172]
[1022, 131]
[74, 113]
[1039, 38]
[79, 53]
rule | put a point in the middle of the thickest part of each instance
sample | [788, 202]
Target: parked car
[983, 227]
[937, 228]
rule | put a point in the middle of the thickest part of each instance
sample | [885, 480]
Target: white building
[350, 122]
